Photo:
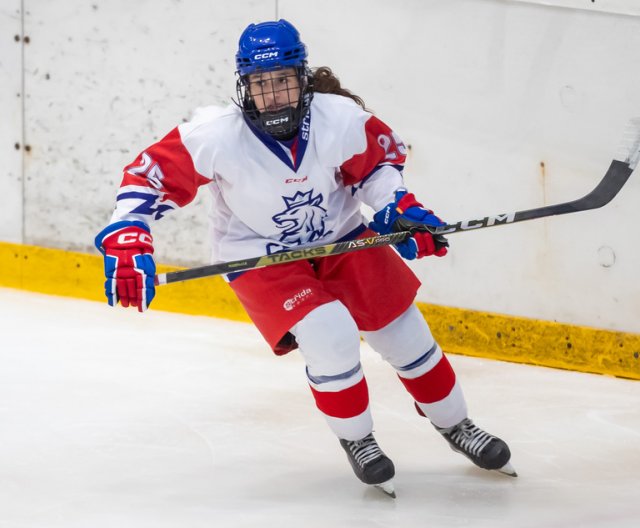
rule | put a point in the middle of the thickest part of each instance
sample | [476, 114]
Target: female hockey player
[288, 166]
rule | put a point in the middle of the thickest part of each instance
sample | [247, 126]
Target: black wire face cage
[284, 99]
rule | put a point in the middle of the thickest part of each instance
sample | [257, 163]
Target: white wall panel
[105, 79]
[11, 121]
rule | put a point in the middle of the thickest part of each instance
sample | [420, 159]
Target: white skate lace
[365, 450]
[470, 437]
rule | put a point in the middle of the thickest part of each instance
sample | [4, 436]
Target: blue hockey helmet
[267, 47]
[270, 45]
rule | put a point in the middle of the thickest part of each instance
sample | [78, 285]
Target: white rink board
[11, 122]
[483, 90]
[111, 418]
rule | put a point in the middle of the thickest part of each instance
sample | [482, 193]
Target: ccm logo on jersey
[132, 238]
[268, 55]
[296, 180]
[277, 121]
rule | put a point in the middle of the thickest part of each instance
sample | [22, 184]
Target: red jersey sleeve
[161, 178]
[383, 148]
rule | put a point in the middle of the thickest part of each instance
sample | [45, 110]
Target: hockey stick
[280, 258]
[614, 179]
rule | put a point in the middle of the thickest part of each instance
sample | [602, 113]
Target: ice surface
[111, 418]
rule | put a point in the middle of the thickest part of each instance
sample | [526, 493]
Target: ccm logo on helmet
[277, 121]
[268, 55]
[132, 238]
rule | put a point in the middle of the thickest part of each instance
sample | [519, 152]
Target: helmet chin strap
[281, 124]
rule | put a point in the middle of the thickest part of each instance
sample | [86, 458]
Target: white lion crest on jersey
[303, 220]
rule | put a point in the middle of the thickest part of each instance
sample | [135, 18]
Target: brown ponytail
[324, 81]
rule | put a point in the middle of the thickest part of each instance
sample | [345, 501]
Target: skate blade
[507, 469]
[387, 488]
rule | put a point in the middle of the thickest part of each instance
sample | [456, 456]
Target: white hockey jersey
[269, 196]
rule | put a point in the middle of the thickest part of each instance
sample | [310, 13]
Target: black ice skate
[484, 450]
[370, 464]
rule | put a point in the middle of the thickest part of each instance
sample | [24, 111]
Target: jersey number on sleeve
[150, 169]
[392, 145]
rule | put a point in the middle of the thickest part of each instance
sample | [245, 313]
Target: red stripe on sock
[434, 385]
[346, 403]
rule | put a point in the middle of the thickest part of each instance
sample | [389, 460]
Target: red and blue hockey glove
[128, 264]
[407, 214]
